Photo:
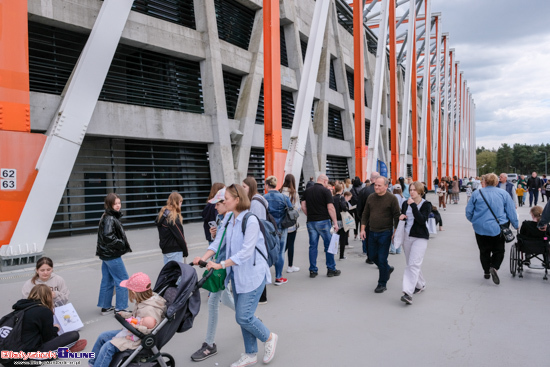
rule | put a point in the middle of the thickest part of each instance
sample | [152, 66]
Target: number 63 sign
[8, 179]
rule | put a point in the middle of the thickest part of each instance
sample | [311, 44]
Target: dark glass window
[337, 168]
[235, 22]
[181, 12]
[256, 167]
[367, 132]
[287, 110]
[335, 124]
[284, 56]
[303, 46]
[332, 77]
[260, 109]
[136, 76]
[351, 84]
[53, 53]
[232, 86]
[147, 78]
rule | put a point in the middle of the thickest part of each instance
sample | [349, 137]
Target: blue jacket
[479, 214]
[277, 204]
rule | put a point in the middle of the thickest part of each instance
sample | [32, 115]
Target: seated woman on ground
[38, 330]
[44, 275]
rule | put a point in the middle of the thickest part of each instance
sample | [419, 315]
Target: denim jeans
[290, 239]
[314, 230]
[251, 327]
[533, 194]
[175, 256]
[392, 249]
[213, 307]
[103, 349]
[379, 248]
[113, 272]
[280, 263]
[365, 242]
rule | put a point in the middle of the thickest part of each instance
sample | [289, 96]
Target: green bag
[216, 282]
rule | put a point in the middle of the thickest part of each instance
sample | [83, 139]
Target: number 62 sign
[8, 179]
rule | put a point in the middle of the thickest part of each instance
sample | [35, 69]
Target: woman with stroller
[170, 226]
[487, 230]
[415, 212]
[248, 272]
[209, 348]
[111, 245]
[148, 304]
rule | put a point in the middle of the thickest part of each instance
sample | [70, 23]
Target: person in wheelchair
[530, 228]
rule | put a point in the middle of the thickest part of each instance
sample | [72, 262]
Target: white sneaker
[349, 247]
[292, 269]
[270, 346]
[246, 360]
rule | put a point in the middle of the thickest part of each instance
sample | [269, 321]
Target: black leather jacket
[111, 239]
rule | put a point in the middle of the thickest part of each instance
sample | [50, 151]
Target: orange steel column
[359, 90]
[414, 111]
[459, 128]
[453, 122]
[393, 94]
[438, 99]
[14, 67]
[19, 150]
[274, 154]
[449, 114]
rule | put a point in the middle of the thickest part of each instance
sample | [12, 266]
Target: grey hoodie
[56, 284]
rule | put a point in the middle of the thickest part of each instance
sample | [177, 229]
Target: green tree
[505, 157]
[486, 162]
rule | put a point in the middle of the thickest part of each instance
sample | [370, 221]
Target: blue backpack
[272, 238]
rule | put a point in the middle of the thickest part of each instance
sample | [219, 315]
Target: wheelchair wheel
[514, 259]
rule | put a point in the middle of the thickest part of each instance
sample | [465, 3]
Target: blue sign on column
[382, 168]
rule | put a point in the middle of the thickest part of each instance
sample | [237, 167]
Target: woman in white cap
[217, 249]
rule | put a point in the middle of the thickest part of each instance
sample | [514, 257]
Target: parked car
[512, 177]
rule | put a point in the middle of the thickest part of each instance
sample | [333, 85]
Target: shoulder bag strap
[223, 236]
[481, 192]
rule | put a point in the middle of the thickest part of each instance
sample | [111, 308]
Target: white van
[512, 177]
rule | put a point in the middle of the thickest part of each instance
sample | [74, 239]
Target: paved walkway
[460, 320]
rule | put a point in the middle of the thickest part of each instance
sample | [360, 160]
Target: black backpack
[10, 330]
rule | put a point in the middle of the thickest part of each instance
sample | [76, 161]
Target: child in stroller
[149, 305]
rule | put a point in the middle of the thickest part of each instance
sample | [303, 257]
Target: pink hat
[220, 196]
[138, 282]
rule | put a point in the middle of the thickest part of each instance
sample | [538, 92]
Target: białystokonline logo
[62, 353]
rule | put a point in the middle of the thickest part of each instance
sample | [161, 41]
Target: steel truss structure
[407, 85]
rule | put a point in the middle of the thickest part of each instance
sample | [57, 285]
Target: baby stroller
[524, 250]
[177, 283]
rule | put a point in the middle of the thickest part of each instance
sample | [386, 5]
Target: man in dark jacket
[310, 183]
[361, 201]
[508, 186]
[534, 185]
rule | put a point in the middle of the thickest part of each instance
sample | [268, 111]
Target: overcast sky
[504, 50]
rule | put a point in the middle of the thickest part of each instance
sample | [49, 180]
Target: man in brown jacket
[381, 215]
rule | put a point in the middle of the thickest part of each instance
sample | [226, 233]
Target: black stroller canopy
[178, 299]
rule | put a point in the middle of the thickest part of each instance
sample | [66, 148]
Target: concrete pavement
[460, 320]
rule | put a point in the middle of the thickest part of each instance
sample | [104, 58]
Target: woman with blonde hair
[170, 226]
[38, 331]
[484, 205]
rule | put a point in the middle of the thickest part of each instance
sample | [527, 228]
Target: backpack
[268, 215]
[272, 238]
[10, 330]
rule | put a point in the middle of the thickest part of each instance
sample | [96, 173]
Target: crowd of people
[387, 219]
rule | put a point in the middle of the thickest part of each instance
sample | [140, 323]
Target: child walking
[148, 305]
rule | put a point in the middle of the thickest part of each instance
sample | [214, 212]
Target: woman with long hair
[209, 213]
[111, 245]
[38, 332]
[170, 226]
[289, 190]
[44, 275]
[248, 274]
